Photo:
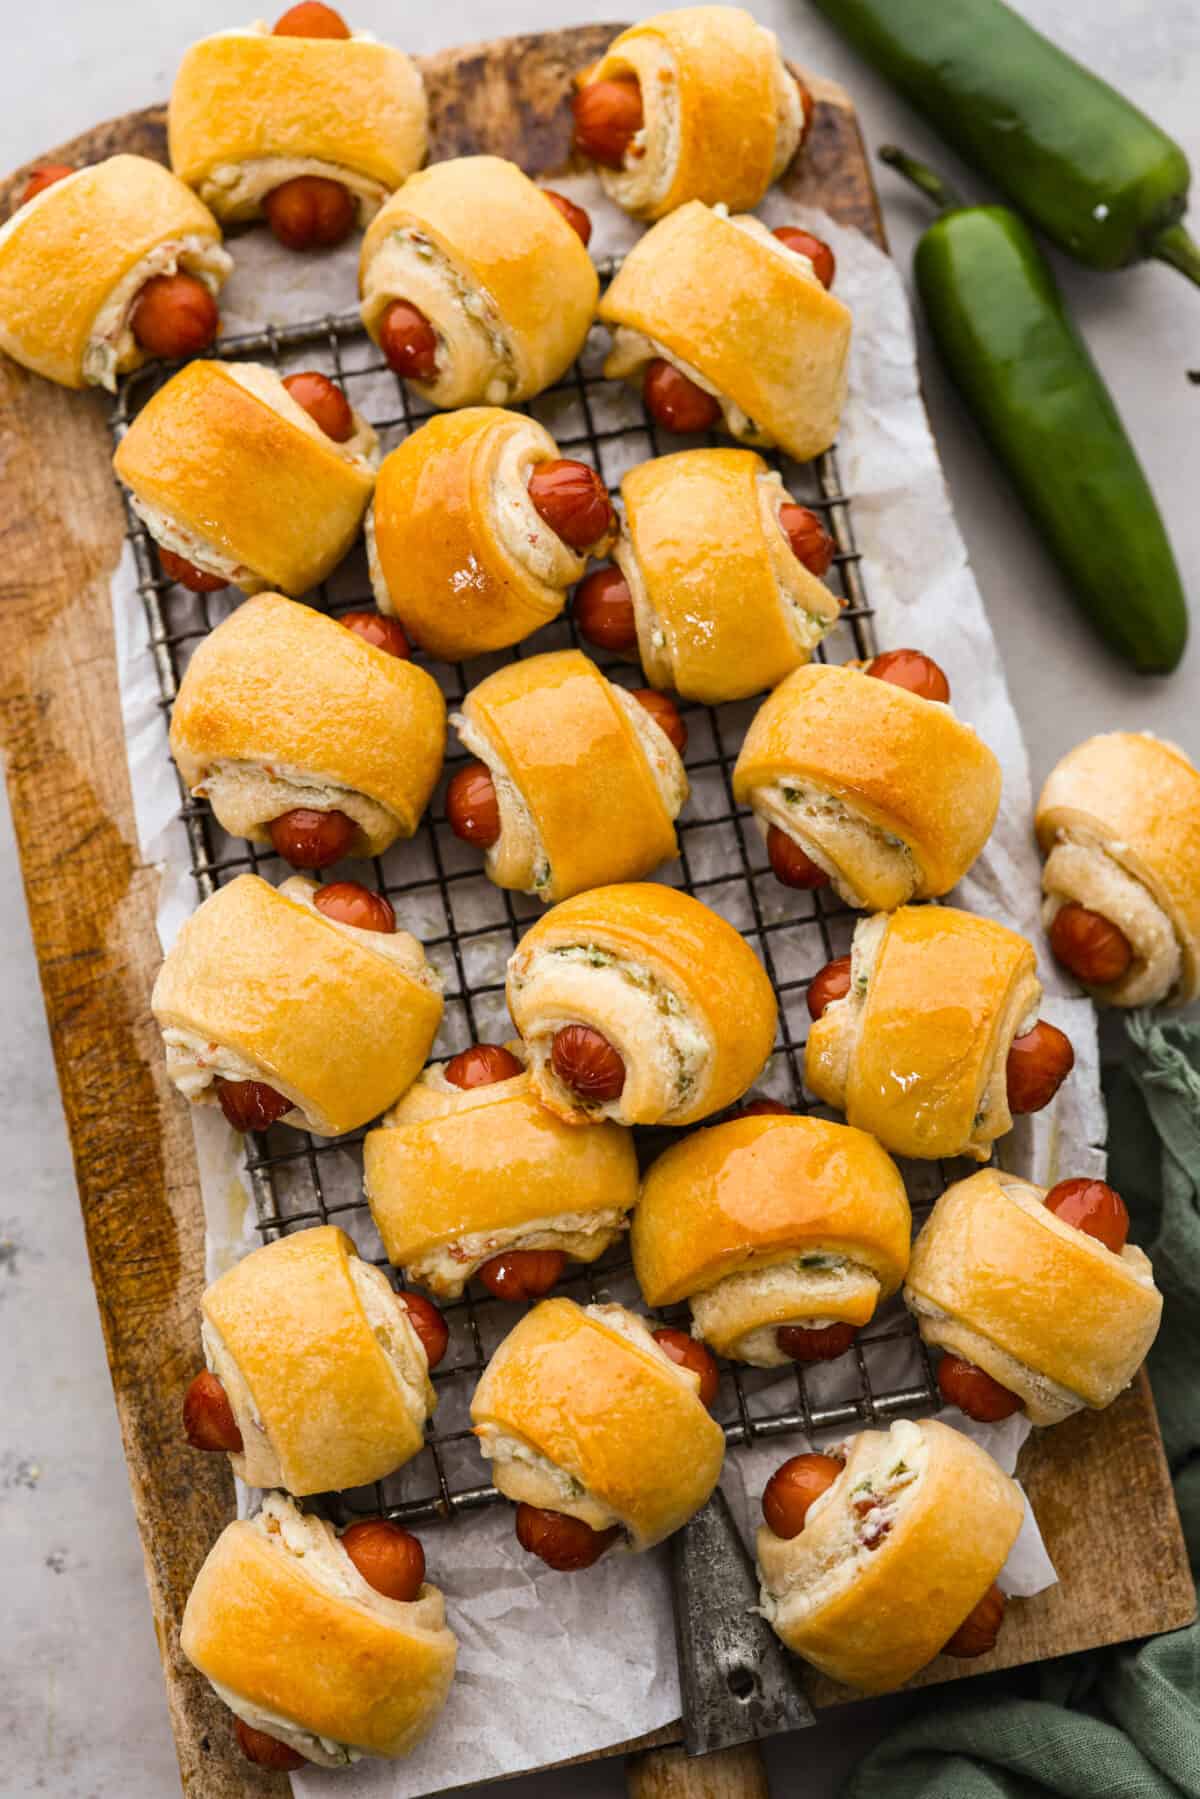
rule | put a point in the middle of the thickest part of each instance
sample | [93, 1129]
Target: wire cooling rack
[469, 927]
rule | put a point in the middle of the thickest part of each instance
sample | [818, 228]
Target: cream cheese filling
[235, 191]
[580, 1235]
[840, 841]
[519, 525]
[643, 1018]
[797, 599]
[1082, 870]
[883, 1485]
[517, 860]
[814, 1276]
[246, 796]
[652, 159]
[172, 534]
[112, 349]
[476, 357]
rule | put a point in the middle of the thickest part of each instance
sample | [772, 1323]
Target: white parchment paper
[553, 1666]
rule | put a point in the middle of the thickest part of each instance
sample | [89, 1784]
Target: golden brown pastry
[283, 708]
[462, 539]
[1119, 824]
[586, 784]
[719, 594]
[639, 1004]
[307, 1653]
[775, 1228]
[894, 1557]
[321, 1366]
[580, 1412]
[719, 116]
[503, 283]
[887, 793]
[226, 470]
[252, 110]
[1038, 1289]
[775, 364]
[76, 261]
[933, 1040]
[262, 989]
[461, 1178]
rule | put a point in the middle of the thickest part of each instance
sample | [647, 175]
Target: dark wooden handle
[670, 1774]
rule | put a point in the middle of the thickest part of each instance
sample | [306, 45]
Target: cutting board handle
[670, 1774]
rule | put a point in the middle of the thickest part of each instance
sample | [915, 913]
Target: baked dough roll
[228, 471]
[458, 549]
[284, 708]
[250, 111]
[458, 1176]
[917, 1052]
[587, 784]
[1051, 1313]
[775, 363]
[1119, 824]
[722, 605]
[75, 259]
[324, 1372]
[893, 1557]
[495, 270]
[639, 1004]
[889, 794]
[581, 1412]
[260, 986]
[299, 1645]
[721, 116]
[768, 1224]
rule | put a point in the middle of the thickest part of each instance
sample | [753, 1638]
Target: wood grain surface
[1099, 1484]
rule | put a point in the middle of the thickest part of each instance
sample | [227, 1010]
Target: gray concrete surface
[81, 1710]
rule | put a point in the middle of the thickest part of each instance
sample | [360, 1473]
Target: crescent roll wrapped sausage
[893, 1557]
[456, 1176]
[580, 1412]
[775, 363]
[228, 471]
[302, 1647]
[886, 792]
[587, 783]
[260, 986]
[282, 707]
[251, 111]
[1050, 1312]
[1119, 824]
[75, 262]
[459, 550]
[723, 607]
[639, 1004]
[919, 1050]
[769, 1224]
[721, 117]
[500, 278]
[327, 1379]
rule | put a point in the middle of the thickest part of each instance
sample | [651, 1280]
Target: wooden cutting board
[1099, 1484]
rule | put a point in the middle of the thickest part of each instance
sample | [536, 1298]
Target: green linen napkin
[1119, 1723]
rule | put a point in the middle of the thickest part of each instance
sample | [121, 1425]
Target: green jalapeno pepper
[1035, 393]
[1091, 171]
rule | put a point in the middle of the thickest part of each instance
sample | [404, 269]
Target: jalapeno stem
[935, 187]
[1177, 246]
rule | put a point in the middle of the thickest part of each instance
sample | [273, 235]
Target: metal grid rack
[469, 927]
